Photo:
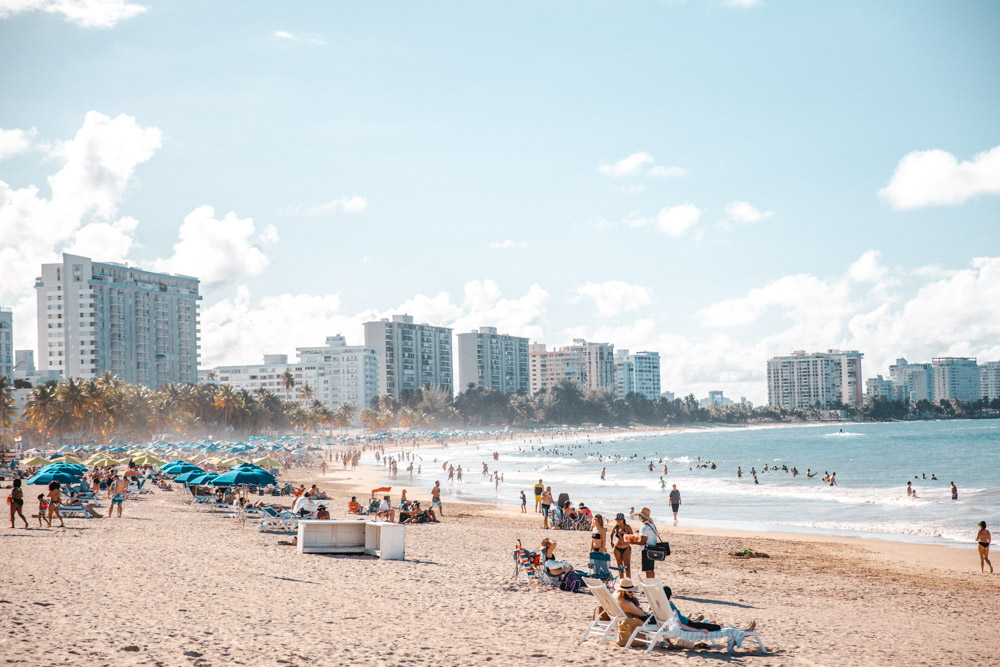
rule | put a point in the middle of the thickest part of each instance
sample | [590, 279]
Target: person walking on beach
[675, 501]
[118, 489]
[458, 473]
[984, 538]
[436, 498]
[954, 491]
[17, 503]
[538, 495]
[622, 548]
[648, 537]
[55, 500]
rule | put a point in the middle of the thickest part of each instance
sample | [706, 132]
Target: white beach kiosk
[374, 538]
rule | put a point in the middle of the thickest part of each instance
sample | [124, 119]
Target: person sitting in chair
[627, 599]
[385, 510]
[554, 567]
[354, 507]
[322, 512]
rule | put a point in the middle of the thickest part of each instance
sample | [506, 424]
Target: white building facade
[490, 360]
[7, 344]
[549, 367]
[599, 374]
[352, 371]
[803, 380]
[637, 373]
[989, 380]
[956, 378]
[878, 387]
[912, 382]
[411, 356]
[96, 316]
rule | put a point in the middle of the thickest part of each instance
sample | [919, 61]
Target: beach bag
[571, 582]
[601, 615]
[626, 628]
[657, 551]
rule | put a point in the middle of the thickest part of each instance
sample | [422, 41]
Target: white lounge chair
[669, 623]
[614, 610]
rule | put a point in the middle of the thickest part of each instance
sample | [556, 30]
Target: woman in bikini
[622, 549]
[984, 538]
[599, 535]
[17, 503]
[55, 499]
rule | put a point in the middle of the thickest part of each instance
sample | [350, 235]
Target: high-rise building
[494, 361]
[600, 364]
[102, 316]
[877, 387]
[7, 344]
[912, 382]
[637, 373]
[352, 371]
[411, 356]
[803, 380]
[989, 380]
[956, 378]
[548, 367]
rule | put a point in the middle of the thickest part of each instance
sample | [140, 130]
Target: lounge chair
[600, 568]
[605, 628]
[669, 623]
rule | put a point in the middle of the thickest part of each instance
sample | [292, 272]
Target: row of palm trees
[105, 407]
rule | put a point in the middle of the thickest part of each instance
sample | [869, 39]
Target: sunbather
[354, 507]
[627, 599]
[549, 562]
[385, 510]
[689, 624]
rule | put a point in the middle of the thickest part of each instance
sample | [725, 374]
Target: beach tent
[34, 461]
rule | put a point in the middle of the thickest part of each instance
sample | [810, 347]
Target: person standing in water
[954, 491]
[603, 470]
[984, 538]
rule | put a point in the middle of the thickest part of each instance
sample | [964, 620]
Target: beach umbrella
[244, 476]
[69, 468]
[200, 480]
[102, 461]
[67, 459]
[177, 454]
[132, 473]
[53, 476]
[267, 462]
[147, 459]
[34, 461]
[185, 477]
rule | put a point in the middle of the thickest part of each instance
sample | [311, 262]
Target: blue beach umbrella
[185, 477]
[239, 476]
[202, 479]
[55, 476]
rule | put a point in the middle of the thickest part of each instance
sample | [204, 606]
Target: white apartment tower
[878, 387]
[7, 344]
[548, 367]
[638, 373]
[803, 380]
[494, 361]
[411, 356]
[102, 316]
[989, 380]
[600, 361]
[912, 382]
[352, 371]
[956, 378]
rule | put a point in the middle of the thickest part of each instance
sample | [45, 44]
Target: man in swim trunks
[118, 488]
[675, 501]
[436, 498]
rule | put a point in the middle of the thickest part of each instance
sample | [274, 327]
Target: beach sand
[169, 584]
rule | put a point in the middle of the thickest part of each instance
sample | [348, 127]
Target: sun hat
[644, 514]
[626, 585]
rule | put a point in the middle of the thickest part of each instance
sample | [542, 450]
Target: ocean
[873, 463]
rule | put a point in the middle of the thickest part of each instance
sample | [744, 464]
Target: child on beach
[42, 508]
[524, 503]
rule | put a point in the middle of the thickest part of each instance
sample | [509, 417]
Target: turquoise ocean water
[873, 462]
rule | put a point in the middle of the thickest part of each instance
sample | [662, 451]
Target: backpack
[571, 582]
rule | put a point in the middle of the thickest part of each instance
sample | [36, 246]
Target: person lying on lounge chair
[552, 566]
[689, 624]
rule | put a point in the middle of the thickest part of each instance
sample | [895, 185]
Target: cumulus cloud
[355, 204]
[15, 142]
[937, 178]
[308, 39]
[216, 251]
[108, 241]
[676, 220]
[614, 297]
[507, 244]
[84, 13]
[98, 165]
[743, 213]
[242, 329]
[640, 163]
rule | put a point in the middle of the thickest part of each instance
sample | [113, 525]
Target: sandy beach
[170, 584]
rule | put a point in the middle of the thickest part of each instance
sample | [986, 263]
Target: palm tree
[39, 409]
[344, 415]
[307, 393]
[6, 413]
[227, 401]
[287, 381]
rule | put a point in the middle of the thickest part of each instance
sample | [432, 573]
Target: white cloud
[614, 296]
[636, 164]
[508, 244]
[15, 142]
[676, 220]
[937, 178]
[84, 13]
[242, 330]
[355, 204]
[743, 213]
[634, 188]
[108, 241]
[743, 4]
[282, 34]
[668, 172]
[627, 166]
[215, 251]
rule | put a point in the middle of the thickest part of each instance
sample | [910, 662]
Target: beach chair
[600, 569]
[605, 629]
[527, 560]
[668, 623]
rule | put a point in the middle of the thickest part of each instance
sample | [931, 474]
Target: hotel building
[956, 378]
[548, 367]
[912, 382]
[102, 316]
[411, 356]
[494, 361]
[637, 373]
[803, 380]
[989, 380]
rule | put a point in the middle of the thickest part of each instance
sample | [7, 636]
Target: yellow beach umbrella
[35, 461]
[67, 459]
[177, 454]
[197, 458]
[267, 462]
[104, 461]
[147, 459]
[233, 462]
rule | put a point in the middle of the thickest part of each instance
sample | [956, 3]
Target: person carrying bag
[652, 548]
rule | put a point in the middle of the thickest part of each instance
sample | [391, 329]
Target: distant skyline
[717, 181]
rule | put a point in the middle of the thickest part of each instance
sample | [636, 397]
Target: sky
[720, 181]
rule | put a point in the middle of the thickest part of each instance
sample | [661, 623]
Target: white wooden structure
[385, 540]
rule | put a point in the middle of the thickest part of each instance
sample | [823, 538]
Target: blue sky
[720, 182]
